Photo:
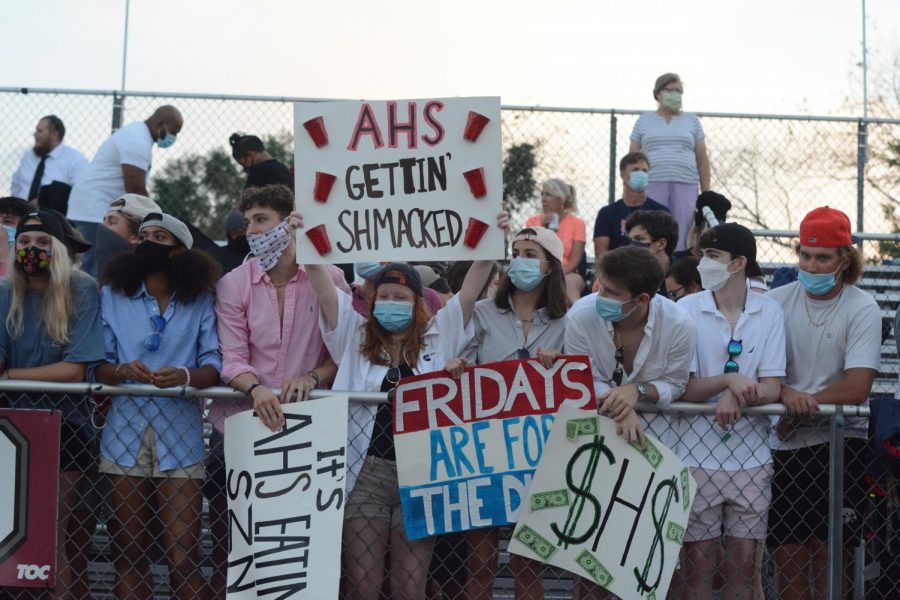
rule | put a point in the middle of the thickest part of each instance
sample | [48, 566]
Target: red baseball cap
[825, 227]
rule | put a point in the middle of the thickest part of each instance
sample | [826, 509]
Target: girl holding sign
[525, 319]
[159, 328]
[400, 340]
[51, 330]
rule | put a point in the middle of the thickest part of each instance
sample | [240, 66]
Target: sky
[764, 56]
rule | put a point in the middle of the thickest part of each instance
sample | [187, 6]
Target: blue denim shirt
[190, 340]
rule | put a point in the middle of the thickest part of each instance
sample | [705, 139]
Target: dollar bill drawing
[650, 452]
[549, 499]
[598, 573]
[685, 487]
[578, 427]
[675, 533]
[537, 543]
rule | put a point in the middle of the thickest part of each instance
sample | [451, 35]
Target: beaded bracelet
[187, 374]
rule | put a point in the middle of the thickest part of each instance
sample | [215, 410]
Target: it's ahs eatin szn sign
[398, 180]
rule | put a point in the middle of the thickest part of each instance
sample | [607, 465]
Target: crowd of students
[164, 317]
[163, 314]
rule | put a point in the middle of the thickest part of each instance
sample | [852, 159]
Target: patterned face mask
[34, 260]
[269, 246]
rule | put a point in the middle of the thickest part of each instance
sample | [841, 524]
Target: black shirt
[382, 444]
[269, 172]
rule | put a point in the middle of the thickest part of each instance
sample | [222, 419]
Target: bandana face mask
[34, 260]
[269, 246]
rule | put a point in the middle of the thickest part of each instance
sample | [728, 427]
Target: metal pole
[118, 109]
[612, 156]
[125, 44]
[836, 506]
[865, 64]
[862, 132]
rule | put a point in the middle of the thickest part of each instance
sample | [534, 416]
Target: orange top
[571, 229]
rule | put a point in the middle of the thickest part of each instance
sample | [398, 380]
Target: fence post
[836, 506]
[118, 110]
[862, 152]
[612, 156]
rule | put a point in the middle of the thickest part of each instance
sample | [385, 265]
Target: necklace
[826, 317]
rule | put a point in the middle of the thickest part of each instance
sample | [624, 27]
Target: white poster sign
[286, 501]
[398, 180]
[604, 509]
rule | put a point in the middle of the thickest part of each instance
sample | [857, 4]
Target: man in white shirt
[640, 344]
[119, 167]
[738, 361]
[833, 333]
[48, 161]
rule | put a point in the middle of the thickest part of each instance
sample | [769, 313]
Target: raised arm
[319, 278]
[478, 274]
[702, 164]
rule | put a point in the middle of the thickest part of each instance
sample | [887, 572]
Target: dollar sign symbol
[658, 522]
[582, 493]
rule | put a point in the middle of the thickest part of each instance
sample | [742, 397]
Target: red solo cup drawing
[319, 237]
[324, 181]
[474, 125]
[316, 130]
[475, 179]
[474, 232]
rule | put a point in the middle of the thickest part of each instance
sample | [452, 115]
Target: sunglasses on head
[735, 347]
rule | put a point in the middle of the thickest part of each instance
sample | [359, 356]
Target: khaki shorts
[731, 504]
[147, 464]
[376, 495]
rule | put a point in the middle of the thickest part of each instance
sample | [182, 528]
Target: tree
[202, 189]
[518, 175]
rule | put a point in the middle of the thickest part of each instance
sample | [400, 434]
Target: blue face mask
[367, 270]
[638, 180]
[166, 141]
[611, 310]
[393, 316]
[10, 235]
[817, 284]
[525, 273]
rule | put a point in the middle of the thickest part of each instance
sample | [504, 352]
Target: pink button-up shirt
[252, 340]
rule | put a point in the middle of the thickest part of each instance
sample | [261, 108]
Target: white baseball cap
[135, 205]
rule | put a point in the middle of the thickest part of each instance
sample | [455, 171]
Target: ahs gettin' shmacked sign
[402, 179]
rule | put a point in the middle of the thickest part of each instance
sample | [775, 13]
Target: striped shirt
[669, 146]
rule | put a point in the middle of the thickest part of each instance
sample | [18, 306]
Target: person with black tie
[50, 168]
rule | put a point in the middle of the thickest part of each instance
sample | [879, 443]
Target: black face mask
[239, 245]
[153, 257]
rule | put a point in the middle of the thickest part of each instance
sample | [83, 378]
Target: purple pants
[681, 200]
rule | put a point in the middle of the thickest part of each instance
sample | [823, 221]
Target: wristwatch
[643, 394]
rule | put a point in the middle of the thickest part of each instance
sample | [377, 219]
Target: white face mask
[713, 274]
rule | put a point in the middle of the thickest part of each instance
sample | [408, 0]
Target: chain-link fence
[774, 168]
[143, 535]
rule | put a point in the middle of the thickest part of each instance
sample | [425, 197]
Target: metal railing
[556, 581]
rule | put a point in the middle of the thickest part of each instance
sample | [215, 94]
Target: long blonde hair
[56, 305]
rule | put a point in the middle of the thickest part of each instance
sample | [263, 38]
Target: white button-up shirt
[663, 357]
[63, 164]
[444, 339]
[760, 329]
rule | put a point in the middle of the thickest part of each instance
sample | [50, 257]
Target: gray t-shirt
[34, 348]
[849, 337]
[499, 334]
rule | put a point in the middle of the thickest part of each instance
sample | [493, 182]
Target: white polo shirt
[103, 181]
[663, 357]
[760, 329]
[824, 339]
[63, 164]
[445, 338]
